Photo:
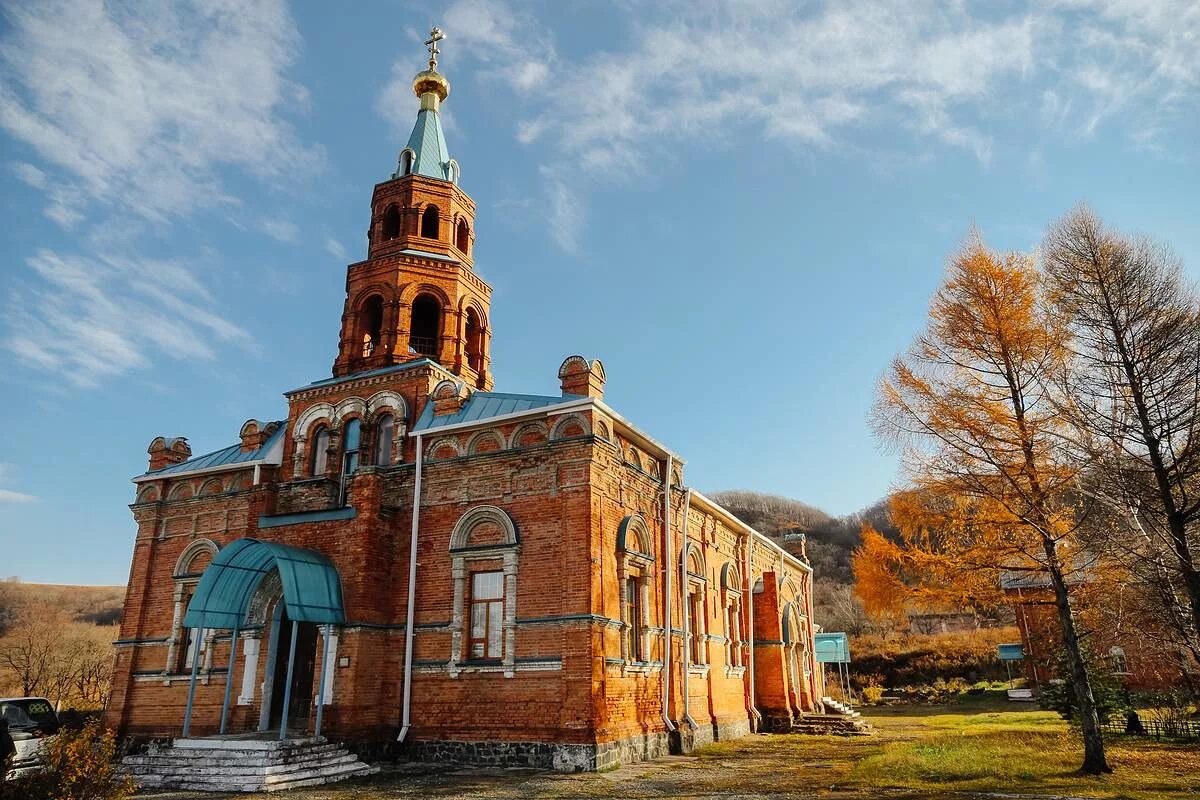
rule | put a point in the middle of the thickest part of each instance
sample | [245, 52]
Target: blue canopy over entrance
[311, 586]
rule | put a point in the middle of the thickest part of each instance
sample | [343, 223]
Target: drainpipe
[685, 657]
[666, 693]
[406, 719]
[755, 717]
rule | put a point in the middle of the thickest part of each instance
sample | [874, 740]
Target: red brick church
[421, 565]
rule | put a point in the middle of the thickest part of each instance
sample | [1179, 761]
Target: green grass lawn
[988, 744]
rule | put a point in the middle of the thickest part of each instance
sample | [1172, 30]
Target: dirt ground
[829, 767]
[759, 767]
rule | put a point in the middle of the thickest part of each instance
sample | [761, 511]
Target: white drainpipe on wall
[686, 656]
[406, 720]
[666, 694]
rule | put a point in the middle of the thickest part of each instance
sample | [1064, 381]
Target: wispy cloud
[7, 472]
[335, 248]
[855, 77]
[138, 108]
[134, 117]
[566, 211]
[280, 229]
[90, 318]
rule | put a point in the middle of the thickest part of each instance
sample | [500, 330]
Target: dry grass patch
[1024, 751]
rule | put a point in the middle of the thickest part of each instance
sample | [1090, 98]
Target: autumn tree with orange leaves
[969, 407]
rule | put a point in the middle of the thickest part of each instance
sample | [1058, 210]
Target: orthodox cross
[435, 36]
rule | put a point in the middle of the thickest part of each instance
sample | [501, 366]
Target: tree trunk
[1191, 575]
[1094, 760]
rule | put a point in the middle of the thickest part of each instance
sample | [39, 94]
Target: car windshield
[29, 714]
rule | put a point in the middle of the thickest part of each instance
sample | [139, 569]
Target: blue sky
[741, 208]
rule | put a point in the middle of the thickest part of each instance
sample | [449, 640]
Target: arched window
[385, 428]
[371, 319]
[391, 223]
[320, 451]
[453, 170]
[406, 162]
[429, 222]
[474, 340]
[635, 576]
[426, 325]
[483, 555]
[462, 236]
[697, 642]
[351, 440]
[187, 645]
[731, 587]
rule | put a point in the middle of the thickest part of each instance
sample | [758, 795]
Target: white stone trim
[460, 558]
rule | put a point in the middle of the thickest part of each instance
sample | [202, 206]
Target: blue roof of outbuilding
[486, 405]
[226, 455]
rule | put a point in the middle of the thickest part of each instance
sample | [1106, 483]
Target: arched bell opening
[474, 341]
[425, 331]
[371, 324]
[391, 223]
[429, 223]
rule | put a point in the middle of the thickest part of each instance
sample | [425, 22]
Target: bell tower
[417, 295]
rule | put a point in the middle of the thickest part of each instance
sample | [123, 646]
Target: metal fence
[1157, 729]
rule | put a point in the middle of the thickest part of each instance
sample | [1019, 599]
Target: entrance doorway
[300, 699]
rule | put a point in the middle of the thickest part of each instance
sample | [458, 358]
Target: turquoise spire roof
[426, 153]
[431, 157]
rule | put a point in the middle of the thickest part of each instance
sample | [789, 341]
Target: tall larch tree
[1132, 395]
[969, 406]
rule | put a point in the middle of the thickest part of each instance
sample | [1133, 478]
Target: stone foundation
[557, 756]
[685, 740]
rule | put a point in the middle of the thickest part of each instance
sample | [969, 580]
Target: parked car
[31, 723]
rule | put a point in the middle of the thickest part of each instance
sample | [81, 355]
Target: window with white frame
[484, 547]
[634, 567]
[634, 628]
[731, 595]
[320, 451]
[487, 615]
[186, 646]
[697, 643]
[385, 429]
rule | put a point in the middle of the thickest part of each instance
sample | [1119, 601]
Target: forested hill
[830, 539]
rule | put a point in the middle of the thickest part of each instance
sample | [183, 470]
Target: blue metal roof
[485, 405]
[311, 586]
[427, 254]
[226, 455]
[1011, 652]
[832, 648]
[432, 157]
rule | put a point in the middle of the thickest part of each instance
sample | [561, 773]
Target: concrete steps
[839, 708]
[836, 724]
[233, 764]
[838, 719]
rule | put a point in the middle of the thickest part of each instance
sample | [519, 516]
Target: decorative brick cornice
[350, 382]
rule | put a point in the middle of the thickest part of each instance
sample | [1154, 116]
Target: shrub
[912, 659]
[1108, 694]
[80, 765]
[872, 694]
[1172, 710]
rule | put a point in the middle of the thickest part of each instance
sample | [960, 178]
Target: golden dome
[431, 80]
